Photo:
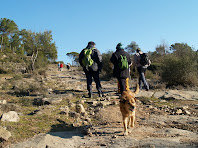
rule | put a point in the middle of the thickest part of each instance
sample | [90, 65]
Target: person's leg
[97, 81]
[89, 83]
[122, 82]
[140, 77]
[144, 79]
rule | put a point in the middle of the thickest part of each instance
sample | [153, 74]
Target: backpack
[144, 59]
[87, 61]
[123, 63]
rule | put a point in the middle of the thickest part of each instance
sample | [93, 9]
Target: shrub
[27, 87]
[107, 71]
[155, 67]
[180, 70]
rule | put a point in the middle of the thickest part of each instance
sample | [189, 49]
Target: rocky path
[157, 123]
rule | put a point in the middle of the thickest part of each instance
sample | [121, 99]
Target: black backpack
[144, 59]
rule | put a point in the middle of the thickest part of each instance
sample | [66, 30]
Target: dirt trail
[153, 127]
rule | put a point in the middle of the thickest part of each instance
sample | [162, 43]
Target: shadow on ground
[64, 130]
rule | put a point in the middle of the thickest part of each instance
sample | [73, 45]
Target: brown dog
[127, 108]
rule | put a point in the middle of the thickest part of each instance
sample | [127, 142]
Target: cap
[119, 44]
[138, 49]
[91, 43]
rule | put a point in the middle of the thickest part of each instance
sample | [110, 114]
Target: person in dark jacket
[93, 70]
[141, 69]
[121, 75]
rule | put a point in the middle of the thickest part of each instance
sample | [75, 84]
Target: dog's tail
[137, 89]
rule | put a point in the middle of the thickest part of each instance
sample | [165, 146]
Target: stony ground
[164, 118]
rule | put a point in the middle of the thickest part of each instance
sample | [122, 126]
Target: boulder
[74, 114]
[52, 100]
[64, 110]
[46, 101]
[4, 134]
[10, 116]
[3, 102]
[179, 111]
[80, 108]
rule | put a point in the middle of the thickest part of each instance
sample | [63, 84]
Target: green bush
[26, 87]
[155, 67]
[107, 71]
[180, 70]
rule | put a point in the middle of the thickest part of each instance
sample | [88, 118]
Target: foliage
[180, 67]
[155, 68]
[26, 87]
[107, 71]
[132, 47]
[7, 28]
[34, 49]
[74, 56]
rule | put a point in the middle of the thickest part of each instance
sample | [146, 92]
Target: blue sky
[106, 22]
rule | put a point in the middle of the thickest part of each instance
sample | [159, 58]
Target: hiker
[141, 62]
[68, 66]
[61, 67]
[58, 66]
[90, 59]
[119, 71]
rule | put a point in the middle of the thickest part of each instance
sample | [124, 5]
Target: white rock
[10, 116]
[179, 111]
[80, 108]
[4, 134]
[3, 102]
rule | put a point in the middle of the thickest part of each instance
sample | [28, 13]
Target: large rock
[10, 116]
[64, 110]
[3, 102]
[46, 101]
[52, 100]
[4, 134]
[80, 108]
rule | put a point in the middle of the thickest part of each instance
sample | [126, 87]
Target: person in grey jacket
[121, 75]
[93, 70]
[141, 69]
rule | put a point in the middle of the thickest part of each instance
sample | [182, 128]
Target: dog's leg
[129, 122]
[132, 120]
[125, 126]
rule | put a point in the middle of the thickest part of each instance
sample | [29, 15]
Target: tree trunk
[2, 43]
[34, 56]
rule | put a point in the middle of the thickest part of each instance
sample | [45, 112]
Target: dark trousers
[95, 76]
[122, 82]
[142, 78]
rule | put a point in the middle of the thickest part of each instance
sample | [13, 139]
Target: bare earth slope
[169, 119]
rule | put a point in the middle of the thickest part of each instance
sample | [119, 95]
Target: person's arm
[134, 62]
[81, 57]
[113, 59]
[99, 61]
